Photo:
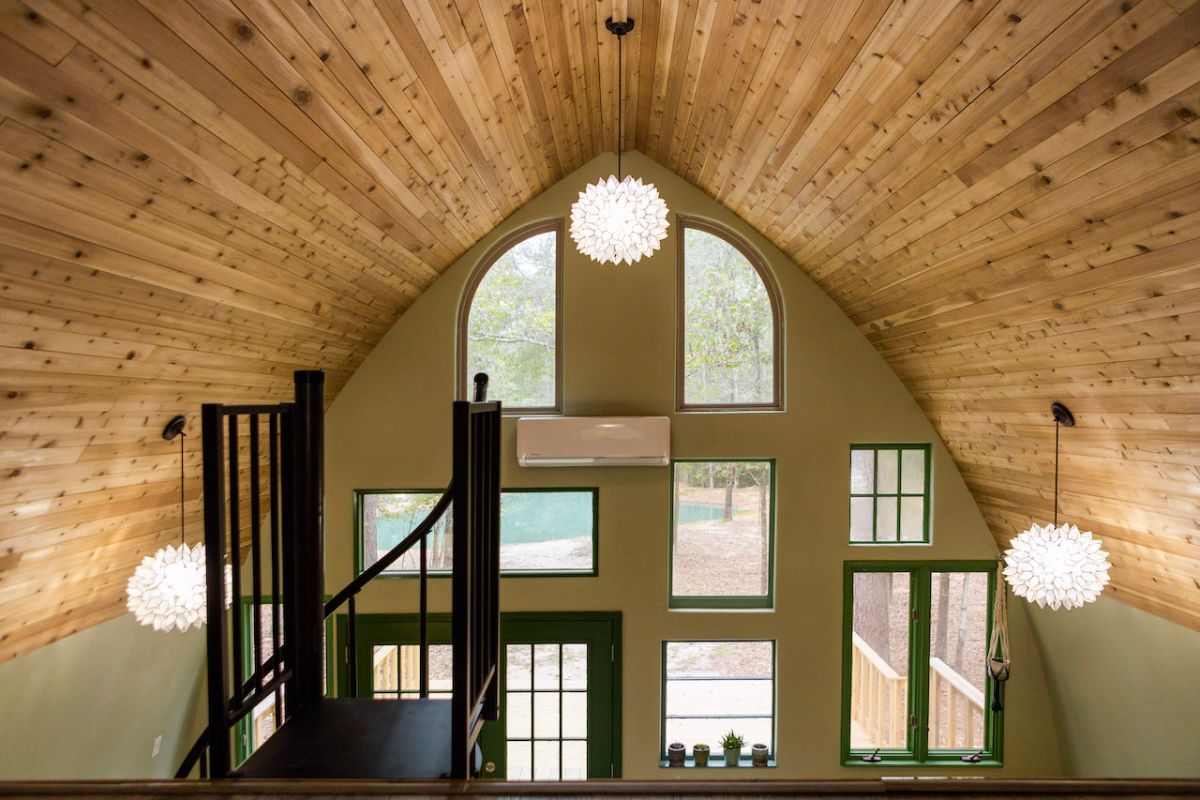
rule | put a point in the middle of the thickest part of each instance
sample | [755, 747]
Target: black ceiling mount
[174, 427]
[1062, 414]
[619, 28]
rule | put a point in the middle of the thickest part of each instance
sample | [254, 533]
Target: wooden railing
[879, 696]
[961, 699]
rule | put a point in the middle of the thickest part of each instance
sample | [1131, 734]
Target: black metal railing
[292, 672]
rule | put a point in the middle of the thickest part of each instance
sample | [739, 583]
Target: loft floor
[357, 738]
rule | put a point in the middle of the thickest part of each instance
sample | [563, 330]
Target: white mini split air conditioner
[593, 441]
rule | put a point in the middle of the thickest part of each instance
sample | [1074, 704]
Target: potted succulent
[732, 745]
[675, 753]
[700, 754]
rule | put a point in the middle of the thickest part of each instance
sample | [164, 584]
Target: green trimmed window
[889, 494]
[713, 687]
[915, 685]
[542, 531]
[722, 534]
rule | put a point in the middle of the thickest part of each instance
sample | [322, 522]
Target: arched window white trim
[761, 399]
[549, 399]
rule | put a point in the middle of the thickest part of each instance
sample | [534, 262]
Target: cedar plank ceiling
[197, 198]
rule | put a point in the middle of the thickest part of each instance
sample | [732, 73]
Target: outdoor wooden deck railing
[960, 696]
[879, 696]
[880, 699]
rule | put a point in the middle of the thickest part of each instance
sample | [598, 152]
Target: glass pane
[385, 668]
[574, 761]
[729, 333]
[545, 666]
[862, 471]
[914, 471]
[388, 518]
[888, 464]
[517, 714]
[518, 661]
[713, 687]
[879, 661]
[519, 758]
[441, 669]
[545, 761]
[511, 326]
[574, 666]
[546, 531]
[722, 543]
[957, 660]
[912, 519]
[539, 531]
[574, 715]
[885, 519]
[862, 518]
[545, 715]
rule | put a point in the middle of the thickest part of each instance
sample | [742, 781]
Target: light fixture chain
[620, 97]
[182, 539]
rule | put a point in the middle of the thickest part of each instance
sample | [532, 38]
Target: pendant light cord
[620, 96]
[182, 436]
[1057, 427]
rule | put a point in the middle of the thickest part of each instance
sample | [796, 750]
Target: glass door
[559, 688]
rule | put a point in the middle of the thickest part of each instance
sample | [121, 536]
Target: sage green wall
[1125, 690]
[390, 428]
[91, 705]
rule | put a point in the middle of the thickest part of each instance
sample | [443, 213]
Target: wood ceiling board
[197, 199]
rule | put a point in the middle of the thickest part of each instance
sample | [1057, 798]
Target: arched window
[730, 353]
[510, 321]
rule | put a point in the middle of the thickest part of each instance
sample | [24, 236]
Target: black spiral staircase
[320, 737]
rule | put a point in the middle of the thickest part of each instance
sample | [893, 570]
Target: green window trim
[728, 602]
[925, 493]
[918, 753]
[717, 759]
[360, 556]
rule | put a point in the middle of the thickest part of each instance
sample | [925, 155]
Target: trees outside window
[729, 344]
[510, 323]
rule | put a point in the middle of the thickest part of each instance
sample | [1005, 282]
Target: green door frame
[601, 630]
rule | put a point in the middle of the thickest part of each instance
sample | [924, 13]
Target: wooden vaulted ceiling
[198, 197]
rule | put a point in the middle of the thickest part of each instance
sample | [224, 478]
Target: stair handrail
[355, 586]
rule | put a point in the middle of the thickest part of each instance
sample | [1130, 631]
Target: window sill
[718, 764]
[952, 761]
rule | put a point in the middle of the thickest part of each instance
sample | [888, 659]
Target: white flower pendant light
[619, 219]
[168, 591]
[1056, 565]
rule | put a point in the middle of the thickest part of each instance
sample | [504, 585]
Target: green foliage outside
[729, 331]
[511, 327]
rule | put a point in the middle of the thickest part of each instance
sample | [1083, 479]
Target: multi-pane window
[729, 343]
[722, 534]
[541, 531]
[546, 708]
[713, 687]
[889, 493]
[511, 320]
[916, 688]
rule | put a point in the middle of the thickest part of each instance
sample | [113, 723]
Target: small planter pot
[700, 755]
[732, 754]
[758, 755]
[675, 754]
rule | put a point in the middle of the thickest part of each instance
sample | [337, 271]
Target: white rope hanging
[998, 664]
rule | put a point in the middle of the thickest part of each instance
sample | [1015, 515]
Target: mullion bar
[899, 487]
[560, 711]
